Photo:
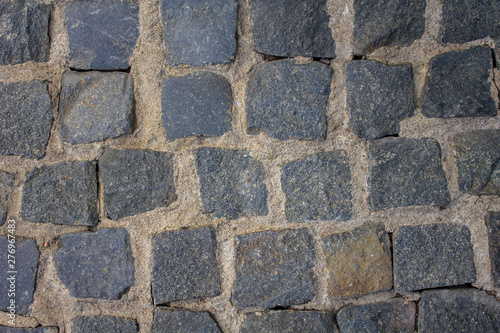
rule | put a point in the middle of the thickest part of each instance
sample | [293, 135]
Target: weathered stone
[104, 324]
[232, 183]
[288, 100]
[197, 104]
[25, 118]
[290, 28]
[379, 97]
[458, 310]
[199, 32]
[185, 265]
[318, 187]
[25, 32]
[5, 329]
[358, 262]
[64, 193]
[493, 224]
[6, 183]
[274, 269]
[136, 181]
[95, 106]
[430, 256]
[288, 322]
[387, 23]
[406, 172]
[176, 321]
[458, 85]
[96, 265]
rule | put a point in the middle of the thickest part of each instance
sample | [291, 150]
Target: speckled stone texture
[493, 225]
[5, 329]
[289, 322]
[177, 321]
[104, 324]
[6, 183]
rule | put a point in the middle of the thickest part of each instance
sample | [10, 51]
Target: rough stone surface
[95, 106]
[232, 183]
[274, 269]
[197, 104]
[136, 181]
[493, 224]
[6, 182]
[102, 34]
[5, 329]
[199, 32]
[289, 322]
[167, 321]
[457, 85]
[387, 23]
[63, 193]
[318, 187]
[290, 28]
[96, 265]
[25, 118]
[378, 97]
[406, 172]
[185, 265]
[104, 324]
[458, 310]
[358, 262]
[430, 256]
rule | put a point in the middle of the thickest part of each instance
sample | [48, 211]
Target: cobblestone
[177, 321]
[288, 322]
[104, 324]
[6, 183]
[493, 225]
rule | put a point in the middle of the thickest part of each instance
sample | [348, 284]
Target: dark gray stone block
[5, 329]
[457, 85]
[289, 322]
[199, 32]
[430, 256]
[96, 265]
[274, 269]
[290, 28]
[102, 34]
[176, 321]
[64, 193]
[25, 118]
[379, 97]
[6, 183]
[318, 187]
[387, 23]
[197, 104]
[232, 183]
[406, 172]
[104, 324]
[136, 181]
[493, 224]
[185, 265]
[95, 106]
[288, 100]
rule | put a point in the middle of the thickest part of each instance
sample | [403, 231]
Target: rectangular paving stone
[289, 321]
[104, 324]
[5, 329]
[177, 321]
[6, 183]
[431, 256]
[493, 225]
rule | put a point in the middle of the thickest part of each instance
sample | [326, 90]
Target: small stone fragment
[104, 324]
[289, 322]
[6, 184]
[176, 321]
[8, 329]
[493, 224]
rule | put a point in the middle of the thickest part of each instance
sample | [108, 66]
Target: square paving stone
[493, 224]
[104, 324]
[176, 321]
[199, 32]
[358, 262]
[185, 265]
[136, 181]
[431, 256]
[379, 97]
[232, 183]
[6, 183]
[25, 32]
[387, 23]
[96, 265]
[289, 322]
[197, 104]
[25, 118]
[318, 187]
[96, 106]
[102, 34]
[406, 172]
[274, 268]
[458, 85]
[6, 329]
[290, 28]
[288, 100]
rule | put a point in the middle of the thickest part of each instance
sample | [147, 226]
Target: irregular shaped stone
[387, 23]
[185, 265]
[25, 118]
[318, 187]
[25, 32]
[290, 28]
[274, 269]
[96, 265]
[6, 329]
[458, 85]
[358, 262]
[379, 97]
[95, 106]
[136, 181]
[199, 32]
[176, 321]
[458, 310]
[493, 224]
[232, 183]
[288, 100]
[289, 322]
[406, 172]
[104, 324]
[6, 184]
[197, 104]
